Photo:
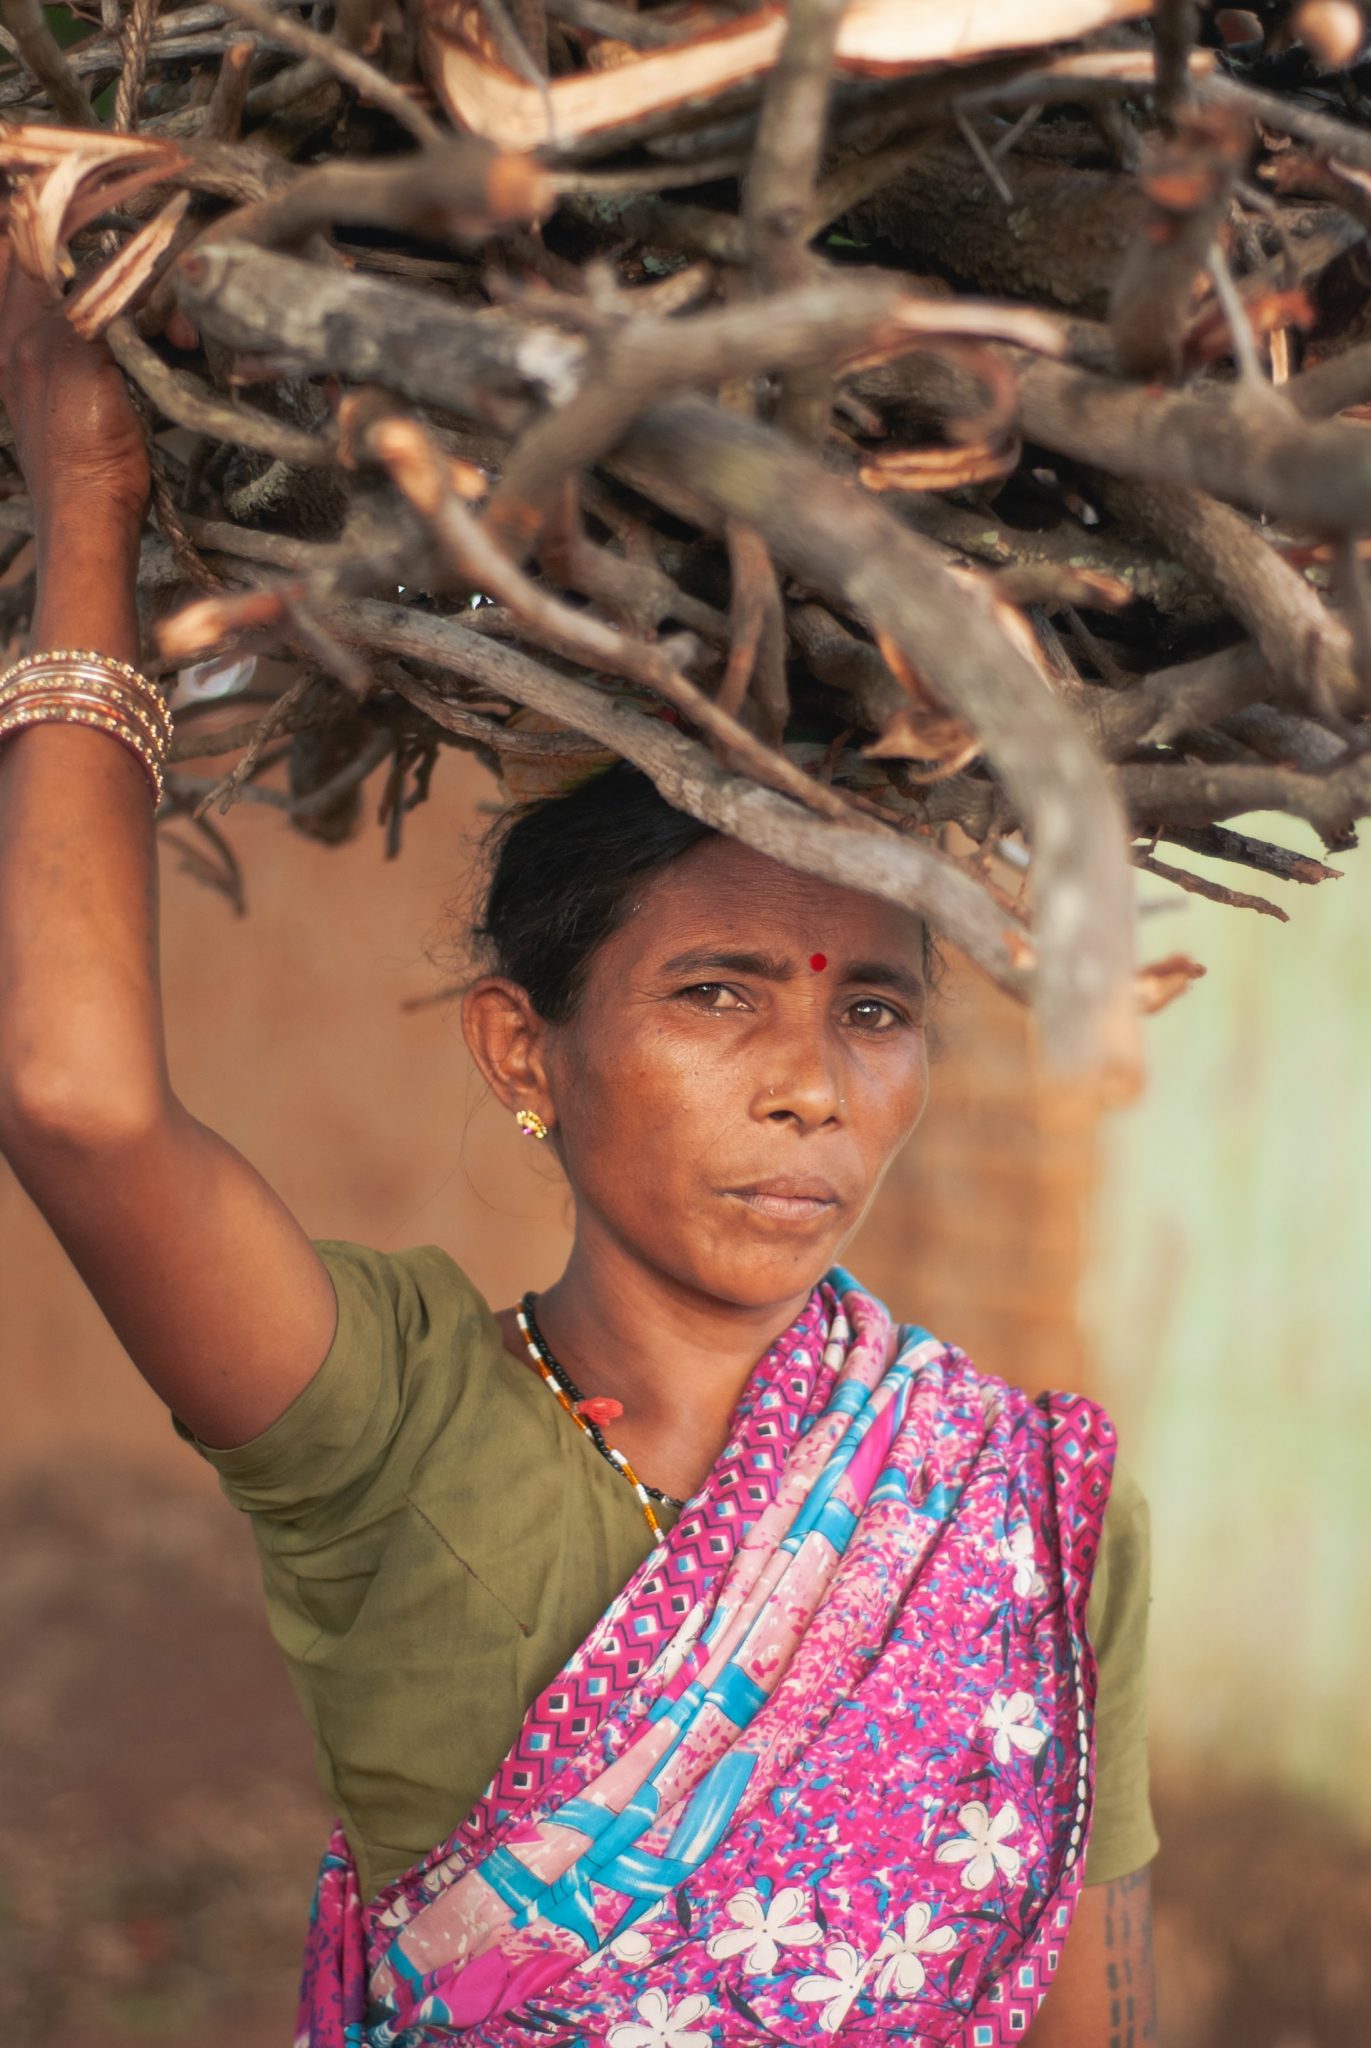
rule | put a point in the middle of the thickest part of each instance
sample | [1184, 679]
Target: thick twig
[41, 55]
[1216, 892]
[1191, 794]
[1162, 706]
[334, 56]
[224, 108]
[1329, 387]
[402, 446]
[1188, 183]
[887, 864]
[778, 190]
[756, 657]
[1175, 24]
[184, 399]
[1247, 446]
[1307, 649]
[1220, 844]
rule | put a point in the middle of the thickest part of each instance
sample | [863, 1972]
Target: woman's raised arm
[207, 1279]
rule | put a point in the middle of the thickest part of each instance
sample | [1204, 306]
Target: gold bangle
[55, 662]
[57, 701]
[51, 711]
[56, 714]
[118, 698]
[109, 662]
[37, 670]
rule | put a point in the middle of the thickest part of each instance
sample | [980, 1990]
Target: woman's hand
[77, 436]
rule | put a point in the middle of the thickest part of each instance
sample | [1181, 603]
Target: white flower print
[664, 2026]
[902, 1972]
[763, 1931]
[847, 1969]
[983, 1847]
[634, 1945]
[1014, 1722]
[1022, 1552]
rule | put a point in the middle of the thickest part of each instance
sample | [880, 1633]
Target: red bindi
[818, 962]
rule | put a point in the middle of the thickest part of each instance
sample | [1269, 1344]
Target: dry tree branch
[1305, 646]
[756, 655]
[43, 57]
[1247, 446]
[1220, 844]
[1216, 892]
[344, 63]
[1286, 114]
[779, 186]
[1334, 385]
[504, 741]
[183, 399]
[683, 402]
[1194, 793]
[414, 464]
[645, 360]
[899, 869]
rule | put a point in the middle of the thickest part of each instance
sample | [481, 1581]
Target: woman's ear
[506, 1038]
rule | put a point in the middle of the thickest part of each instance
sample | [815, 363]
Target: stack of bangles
[73, 688]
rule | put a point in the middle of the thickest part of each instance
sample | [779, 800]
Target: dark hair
[561, 872]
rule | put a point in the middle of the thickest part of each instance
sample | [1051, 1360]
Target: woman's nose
[802, 1080]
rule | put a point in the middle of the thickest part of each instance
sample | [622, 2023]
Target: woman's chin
[767, 1270]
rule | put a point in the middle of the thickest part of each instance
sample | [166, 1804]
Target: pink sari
[823, 1768]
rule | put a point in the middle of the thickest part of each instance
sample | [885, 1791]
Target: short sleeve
[1123, 1835]
[411, 1331]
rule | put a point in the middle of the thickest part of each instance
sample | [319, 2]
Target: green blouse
[435, 1542]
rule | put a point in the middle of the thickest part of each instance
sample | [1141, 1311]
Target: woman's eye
[874, 1015]
[712, 995]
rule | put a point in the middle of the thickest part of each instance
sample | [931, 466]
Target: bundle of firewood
[930, 442]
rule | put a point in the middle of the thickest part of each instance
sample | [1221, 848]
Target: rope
[169, 521]
[138, 28]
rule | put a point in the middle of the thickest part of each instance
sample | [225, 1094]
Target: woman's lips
[790, 1199]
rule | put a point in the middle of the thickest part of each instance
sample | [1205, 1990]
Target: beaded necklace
[588, 1414]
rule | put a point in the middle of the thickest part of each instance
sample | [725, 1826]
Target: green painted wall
[1228, 1309]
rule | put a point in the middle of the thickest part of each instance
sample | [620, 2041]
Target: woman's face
[747, 1057]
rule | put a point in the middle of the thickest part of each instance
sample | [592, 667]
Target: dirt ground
[159, 1825]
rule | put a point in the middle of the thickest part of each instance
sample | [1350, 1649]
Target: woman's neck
[675, 1359]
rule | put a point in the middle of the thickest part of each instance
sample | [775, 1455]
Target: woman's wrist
[86, 517]
[87, 577]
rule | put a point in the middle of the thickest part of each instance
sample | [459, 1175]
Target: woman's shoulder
[414, 1353]
[1126, 1497]
[413, 1326]
[417, 1276]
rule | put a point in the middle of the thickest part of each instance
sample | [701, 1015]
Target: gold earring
[530, 1124]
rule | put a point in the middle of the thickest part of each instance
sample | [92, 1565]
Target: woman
[693, 1656]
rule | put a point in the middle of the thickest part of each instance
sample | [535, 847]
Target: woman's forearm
[81, 1044]
[87, 566]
